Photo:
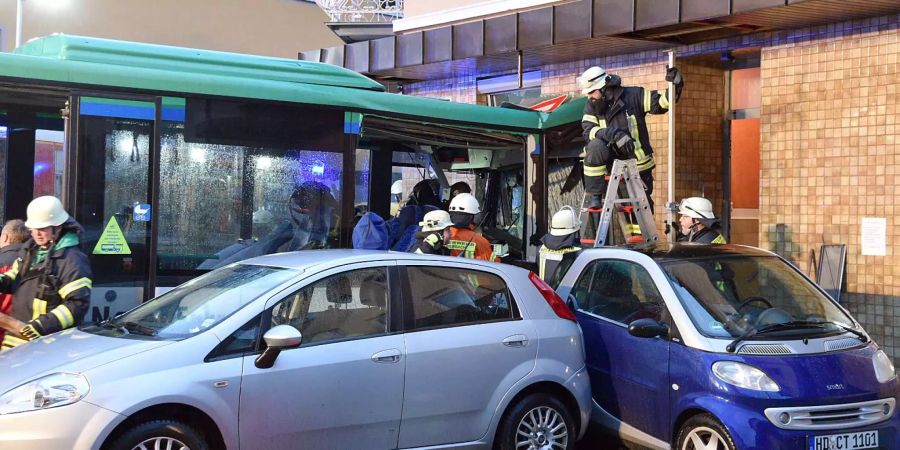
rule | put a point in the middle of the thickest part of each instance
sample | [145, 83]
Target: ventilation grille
[832, 416]
[765, 349]
[840, 344]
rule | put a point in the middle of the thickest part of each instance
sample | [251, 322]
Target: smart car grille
[831, 416]
[840, 344]
[765, 349]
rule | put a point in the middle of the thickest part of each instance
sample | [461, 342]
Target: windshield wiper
[793, 325]
[130, 327]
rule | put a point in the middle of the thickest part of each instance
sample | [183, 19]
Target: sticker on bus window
[141, 212]
[112, 241]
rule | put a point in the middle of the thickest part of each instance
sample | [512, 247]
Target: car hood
[840, 376]
[67, 351]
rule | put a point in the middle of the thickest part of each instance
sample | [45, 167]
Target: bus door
[117, 141]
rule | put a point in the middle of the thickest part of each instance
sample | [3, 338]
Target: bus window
[4, 151]
[239, 180]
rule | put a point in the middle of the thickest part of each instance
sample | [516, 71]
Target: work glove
[673, 75]
[29, 332]
[622, 145]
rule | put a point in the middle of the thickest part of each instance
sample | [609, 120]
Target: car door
[467, 344]
[629, 375]
[343, 387]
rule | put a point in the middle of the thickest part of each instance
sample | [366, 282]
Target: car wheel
[537, 422]
[704, 432]
[156, 434]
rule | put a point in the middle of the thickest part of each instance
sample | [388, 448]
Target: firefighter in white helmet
[464, 240]
[560, 245]
[698, 222]
[614, 126]
[50, 280]
[430, 240]
[396, 197]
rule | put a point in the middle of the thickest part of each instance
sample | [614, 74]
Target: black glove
[673, 75]
[622, 145]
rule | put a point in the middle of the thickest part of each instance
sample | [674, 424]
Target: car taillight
[559, 306]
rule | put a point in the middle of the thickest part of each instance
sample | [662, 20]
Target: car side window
[443, 296]
[621, 291]
[351, 304]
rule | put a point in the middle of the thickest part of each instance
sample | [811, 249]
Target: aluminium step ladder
[625, 196]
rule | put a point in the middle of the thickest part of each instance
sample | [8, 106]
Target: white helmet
[592, 79]
[564, 222]
[465, 203]
[436, 221]
[46, 211]
[697, 208]
[397, 187]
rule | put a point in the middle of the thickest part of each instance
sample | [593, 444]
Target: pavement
[596, 440]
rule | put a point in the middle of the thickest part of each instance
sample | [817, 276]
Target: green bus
[176, 161]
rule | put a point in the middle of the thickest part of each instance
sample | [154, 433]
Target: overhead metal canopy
[582, 29]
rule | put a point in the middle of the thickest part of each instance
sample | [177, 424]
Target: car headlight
[50, 391]
[745, 376]
[884, 368]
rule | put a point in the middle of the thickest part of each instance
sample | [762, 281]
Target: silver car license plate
[846, 441]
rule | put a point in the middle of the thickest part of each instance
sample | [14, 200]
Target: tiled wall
[830, 155]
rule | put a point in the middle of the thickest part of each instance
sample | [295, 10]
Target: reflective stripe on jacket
[469, 244]
[550, 262]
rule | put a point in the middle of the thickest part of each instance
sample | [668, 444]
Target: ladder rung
[588, 241]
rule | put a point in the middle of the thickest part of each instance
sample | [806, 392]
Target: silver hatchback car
[397, 351]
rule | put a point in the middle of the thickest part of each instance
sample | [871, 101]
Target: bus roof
[87, 61]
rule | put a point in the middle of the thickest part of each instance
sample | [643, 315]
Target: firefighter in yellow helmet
[614, 126]
[430, 240]
[560, 245]
[51, 278]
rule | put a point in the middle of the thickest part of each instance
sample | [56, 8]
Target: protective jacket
[51, 287]
[708, 235]
[556, 255]
[469, 244]
[623, 110]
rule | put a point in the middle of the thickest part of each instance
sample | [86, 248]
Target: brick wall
[829, 156]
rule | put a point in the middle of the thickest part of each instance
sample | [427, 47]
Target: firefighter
[51, 278]
[396, 197]
[463, 239]
[430, 240]
[698, 223]
[560, 245]
[614, 126]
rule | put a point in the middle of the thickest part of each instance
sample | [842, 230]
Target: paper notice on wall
[874, 236]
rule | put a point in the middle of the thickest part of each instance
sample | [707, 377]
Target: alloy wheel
[161, 443]
[542, 428]
[703, 438]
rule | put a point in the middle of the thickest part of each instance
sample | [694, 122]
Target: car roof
[323, 259]
[662, 252]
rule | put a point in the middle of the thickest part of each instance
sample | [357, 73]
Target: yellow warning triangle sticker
[112, 241]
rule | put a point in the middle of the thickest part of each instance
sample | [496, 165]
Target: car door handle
[387, 356]
[516, 340]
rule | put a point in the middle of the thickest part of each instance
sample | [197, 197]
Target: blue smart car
[698, 347]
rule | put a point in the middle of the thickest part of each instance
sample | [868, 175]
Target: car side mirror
[648, 328]
[572, 302]
[278, 338]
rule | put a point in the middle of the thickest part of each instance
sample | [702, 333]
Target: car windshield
[732, 296]
[200, 303]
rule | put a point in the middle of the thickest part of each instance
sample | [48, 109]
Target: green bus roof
[86, 61]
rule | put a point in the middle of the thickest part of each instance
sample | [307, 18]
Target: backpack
[371, 233]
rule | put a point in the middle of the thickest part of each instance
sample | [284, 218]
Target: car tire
[147, 435]
[702, 430]
[543, 419]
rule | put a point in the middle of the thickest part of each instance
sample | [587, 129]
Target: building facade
[788, 121]
[270, 28]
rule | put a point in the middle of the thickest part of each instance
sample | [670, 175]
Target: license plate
[846, 441]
